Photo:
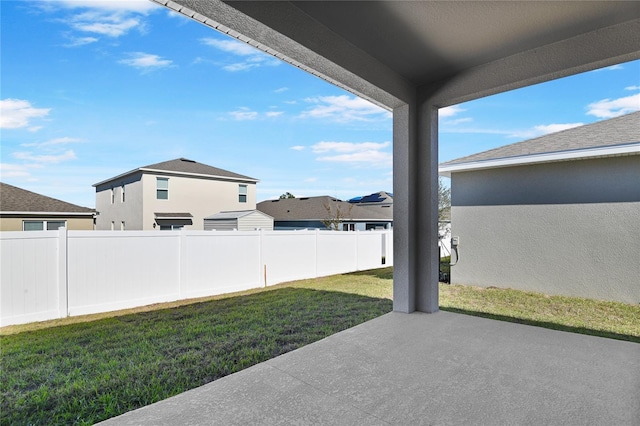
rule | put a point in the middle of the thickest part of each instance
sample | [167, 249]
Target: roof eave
[45, 213]
[579, 154]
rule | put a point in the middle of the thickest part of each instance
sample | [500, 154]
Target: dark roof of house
[315, 208]
[616, 131]
[184, 165]
[173, 215]
[14, 199]
[234, 214]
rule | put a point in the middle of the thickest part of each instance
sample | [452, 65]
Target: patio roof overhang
[415, 57]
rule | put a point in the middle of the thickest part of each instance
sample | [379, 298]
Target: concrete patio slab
[423, 369]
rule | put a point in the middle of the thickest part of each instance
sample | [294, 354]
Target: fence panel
[288, 256]
[48, 274]
[28, 277]
[337, 252]
[119, 270]
[370, 250]
[218, 262]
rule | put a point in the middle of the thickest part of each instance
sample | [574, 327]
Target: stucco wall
[129, 211]
[200, 197]
[570, 228]
[73, 223]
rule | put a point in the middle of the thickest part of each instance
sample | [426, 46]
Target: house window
[122, 225]
[113, 225]
[348, 226]
[242, 193]
[171, 227]
[113, 196]
[41, 225]
[162, 188]
[122, 194]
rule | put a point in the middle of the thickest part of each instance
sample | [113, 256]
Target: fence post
[63, 268]
[315, 274]
[182, 265]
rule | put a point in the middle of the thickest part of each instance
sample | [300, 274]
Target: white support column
[415, 188]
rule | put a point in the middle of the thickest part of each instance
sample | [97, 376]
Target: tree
[336, 212]
[444, 208]
[287, 195]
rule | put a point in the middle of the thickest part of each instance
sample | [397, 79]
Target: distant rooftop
[314, 208]
[622, 132]
[184, 166]
[14, 199]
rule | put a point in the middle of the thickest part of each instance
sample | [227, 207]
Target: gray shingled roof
[14, 199]
[313, 208]
[184, 165]
[234, 214]
[616, 131]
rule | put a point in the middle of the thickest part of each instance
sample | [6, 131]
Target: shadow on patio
[443, 368]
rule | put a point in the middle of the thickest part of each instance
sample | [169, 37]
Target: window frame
[160, 190]
[45, 224]
[242, 196]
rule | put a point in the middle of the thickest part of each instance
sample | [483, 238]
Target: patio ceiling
[383, 50]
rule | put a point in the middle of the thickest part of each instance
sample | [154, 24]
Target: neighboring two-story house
[170, 195]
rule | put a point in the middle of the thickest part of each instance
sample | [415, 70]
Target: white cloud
[311, 180]
[349, 152]
[274, 113]
[16, 113]
[45, 159]
[609, 108]
[244, 114]
[297, 148]
[449, 111]
[112, 26]
[632, 88]
[13, 170]
[552, 128]
[370, 157]
[232, 46]
[53, 142]
[252, 57]
[322, 147]
[281, 90]
[146, 61]
[81, 41]
[140, 6]
[459, 121]
[344, 108]
[110, 18]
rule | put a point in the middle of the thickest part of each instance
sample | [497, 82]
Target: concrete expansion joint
[355, 407]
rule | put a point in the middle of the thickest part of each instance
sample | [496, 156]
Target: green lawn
[83, 370]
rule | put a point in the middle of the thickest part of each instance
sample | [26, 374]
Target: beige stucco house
[22, 210]
[170, 195]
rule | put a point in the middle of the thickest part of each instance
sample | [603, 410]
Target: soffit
[452, 51]
[427, 41]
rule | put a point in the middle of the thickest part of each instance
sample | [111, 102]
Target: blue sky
[91, 89]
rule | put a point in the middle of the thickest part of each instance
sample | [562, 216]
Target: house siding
[14, 223]
[129, 211]
[567, 228]
[200, 197]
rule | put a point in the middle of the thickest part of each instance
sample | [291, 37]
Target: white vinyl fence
[53, 274]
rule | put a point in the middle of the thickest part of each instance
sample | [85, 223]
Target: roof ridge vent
[187, 160]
